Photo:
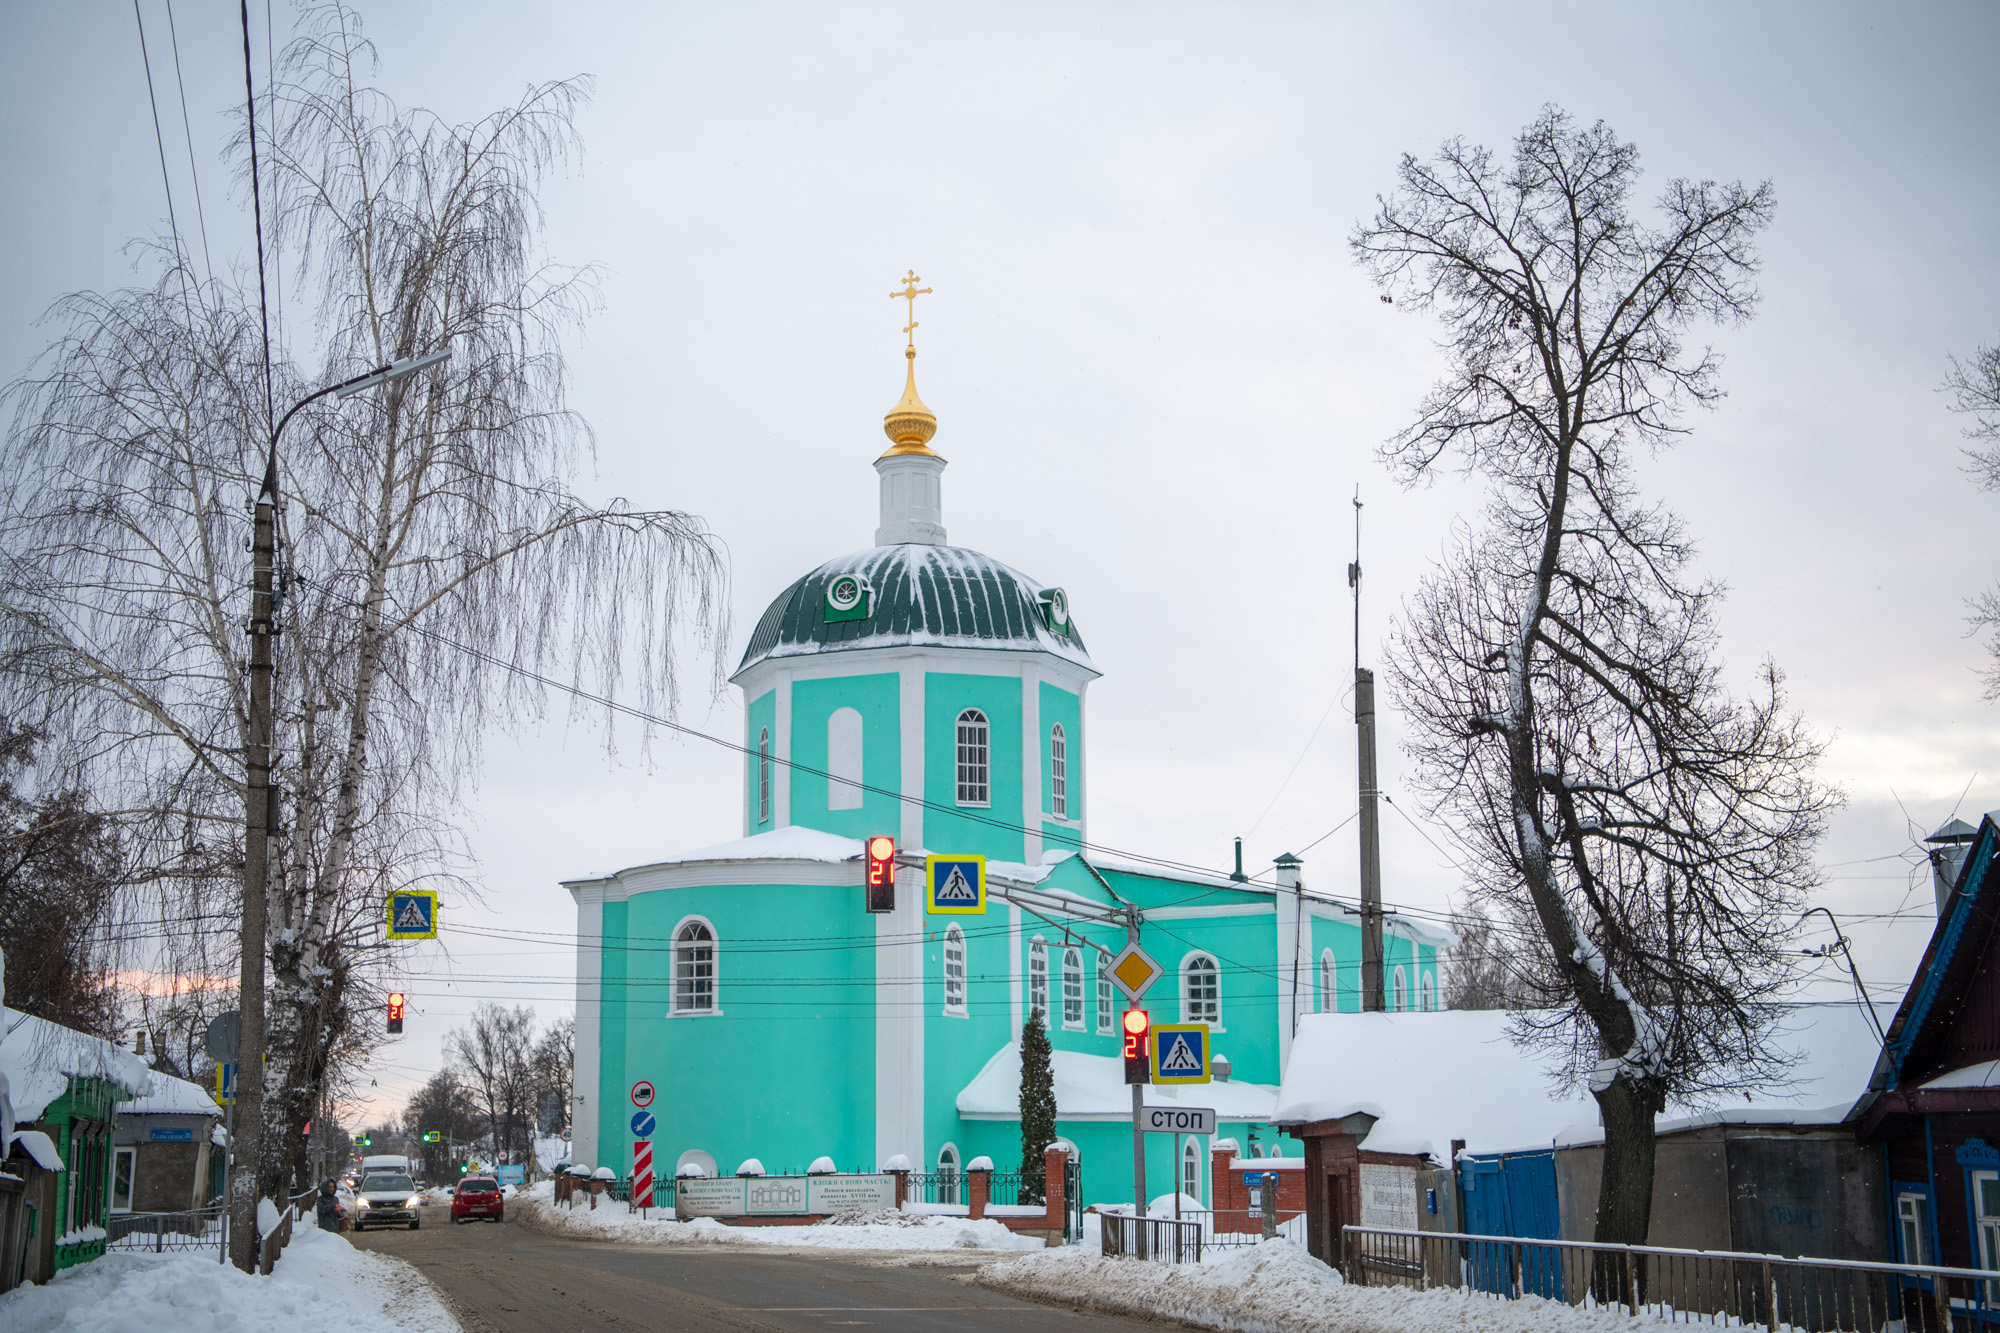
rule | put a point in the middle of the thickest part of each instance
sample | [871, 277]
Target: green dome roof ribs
[932, 596]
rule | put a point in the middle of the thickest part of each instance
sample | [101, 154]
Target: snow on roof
[171, 1096]
[40, 1147]
[1093, 1087]
[37, 1059]
[1985, 1074]
[794, 843]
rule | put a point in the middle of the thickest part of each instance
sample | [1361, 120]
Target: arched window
[1059, 772]
[1201, 990]
[1104, 1005]
[1073, 990]
[1430, 993]
[1191, 1168]
[1038, 978]
[973, 752]
[954, 969]
[947, 1174]
[1329, 996]
[694, 969]
[764, 776]
[843, 760]
[1400, 1002]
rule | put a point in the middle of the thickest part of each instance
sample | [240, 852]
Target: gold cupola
[909, 424]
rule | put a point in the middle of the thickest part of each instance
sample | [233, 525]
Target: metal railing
[1244, 1226]
[955, 1187]
[193, 1229]
[1719, 1287]
[1160, 1239]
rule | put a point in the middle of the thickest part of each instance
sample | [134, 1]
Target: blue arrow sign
[643, 1125]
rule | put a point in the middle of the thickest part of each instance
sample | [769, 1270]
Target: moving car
[477, 1196]
[387, 1199]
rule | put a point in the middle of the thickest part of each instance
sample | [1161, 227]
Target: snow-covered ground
[322, 1284]
[886, 1230]
[1275, 1287]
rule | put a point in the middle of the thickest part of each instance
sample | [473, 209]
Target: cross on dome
[909, 424]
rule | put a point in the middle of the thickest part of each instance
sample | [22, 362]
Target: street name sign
[1179, 1120]
[413, 914]
[955, 885]
[1134, 971]
[1180, 1053]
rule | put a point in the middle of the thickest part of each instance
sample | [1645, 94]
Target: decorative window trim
[764, 776]
[1107, 1002]
[954, 943]
[1072, 966]
[974, 737]
[1189, 1172]
[1399, 992]
[951, 1174]
[1038, 978]
[1058, 772]
[1212, 1013]
[1427, 991]
[1329, 982]
[714, 1007]
[845, 763]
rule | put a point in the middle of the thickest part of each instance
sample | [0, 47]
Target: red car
[477, 1196]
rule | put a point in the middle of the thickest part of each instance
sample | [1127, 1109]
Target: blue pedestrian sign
[413, 914]
[643, 1124]
[1180, 1053]
[955, 885]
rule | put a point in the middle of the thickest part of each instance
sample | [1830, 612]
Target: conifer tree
[1038, 1107]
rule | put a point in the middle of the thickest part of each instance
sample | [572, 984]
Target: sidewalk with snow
[1275, 1287]
[883, 1230]
[321, 1284]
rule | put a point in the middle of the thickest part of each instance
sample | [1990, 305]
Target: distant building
[166, 1157]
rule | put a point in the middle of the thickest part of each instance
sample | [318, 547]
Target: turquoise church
[930, 693]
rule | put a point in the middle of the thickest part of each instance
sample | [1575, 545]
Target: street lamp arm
[367, 379]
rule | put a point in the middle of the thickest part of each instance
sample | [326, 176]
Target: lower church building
[933, 695]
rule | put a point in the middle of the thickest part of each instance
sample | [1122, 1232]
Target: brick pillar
[1055, 1175]
[979, 1187]
[902, 1186]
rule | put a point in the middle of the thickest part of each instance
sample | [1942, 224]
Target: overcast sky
[1158, 377]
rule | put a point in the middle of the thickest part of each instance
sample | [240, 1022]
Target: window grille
[1202, 991]
[973, 758]
[1073, 989]
[1059, 772]
[1038, 979]
[954, 970]
[694, 969]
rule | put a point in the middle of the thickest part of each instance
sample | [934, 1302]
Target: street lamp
[260, 817]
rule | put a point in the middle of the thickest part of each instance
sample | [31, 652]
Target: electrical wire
[187, 129]
[159, 141]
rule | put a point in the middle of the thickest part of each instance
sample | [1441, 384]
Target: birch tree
[1643, 833]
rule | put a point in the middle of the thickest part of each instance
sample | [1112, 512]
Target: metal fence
[1227, 1227]
[1160, 1239]
[1717, 1287]
[194, 1229]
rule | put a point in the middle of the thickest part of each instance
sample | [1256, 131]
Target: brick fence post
[902, 1186]
[979, 1187]
[1055, 1175]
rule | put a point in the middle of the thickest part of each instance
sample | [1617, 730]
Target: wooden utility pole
[1371, 829]
[247, 1151]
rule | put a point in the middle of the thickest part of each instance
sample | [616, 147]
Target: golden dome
[909, 424]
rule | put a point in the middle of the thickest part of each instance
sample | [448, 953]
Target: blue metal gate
[1513, 1195]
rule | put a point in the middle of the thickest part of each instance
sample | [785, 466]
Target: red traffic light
[1138, 1025]
[881, 873]
[395, 1011]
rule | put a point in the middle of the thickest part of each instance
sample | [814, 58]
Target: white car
[387, 1199]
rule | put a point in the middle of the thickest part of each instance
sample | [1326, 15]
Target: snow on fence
[1717, 1287]
[1160, 1239]
[194, 1229]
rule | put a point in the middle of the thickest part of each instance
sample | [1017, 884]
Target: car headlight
[361, 1203]
[415, 1199]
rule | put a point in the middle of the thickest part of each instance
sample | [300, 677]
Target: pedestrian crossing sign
[955, 885]
[1180, 1053]
[413, 914]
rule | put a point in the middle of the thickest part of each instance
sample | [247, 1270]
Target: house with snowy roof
[168, 1153]
[933, 695]
[59, 1090]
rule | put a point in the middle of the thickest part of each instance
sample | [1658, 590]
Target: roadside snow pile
[321, 1285]
[1275, 1287]
[888, 1230]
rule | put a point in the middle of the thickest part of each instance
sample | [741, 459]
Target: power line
[257, 211]
[194, 172]
[159, 141]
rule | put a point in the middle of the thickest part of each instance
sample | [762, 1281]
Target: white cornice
[836, 662]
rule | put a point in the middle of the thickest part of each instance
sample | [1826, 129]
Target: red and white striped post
[642, 1173]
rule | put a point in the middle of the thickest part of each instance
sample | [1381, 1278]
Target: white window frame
[1399, 992]
[1072, 996]
[1190, 1172]
[845, 752]
[1986, 1225]
[1058, 772]
[1208, 1011]
[131, 1178]
[678, 1009]
[950, 1173]
[1107, 1004]
[1428, 991]
[1038, 978]
[1913, 1229]
[975, 759]
[764, 776]
[1329, 982]
[954, 971]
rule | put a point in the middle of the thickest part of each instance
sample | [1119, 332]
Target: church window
[973, 752]
[954, 970]
[764, 776]
[1201, 990]
[1059, 772]
[1430, 994]
[694, 969]
[1329, 972]
[1191, 1169]
[1073, 990]
[1038, 979]
[947, 1174]
[1104, 1005]
[1399, 1004]
[843, 760]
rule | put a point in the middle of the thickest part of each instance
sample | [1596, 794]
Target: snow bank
[885, 1230]
[322, 1284]
[1275, 1287]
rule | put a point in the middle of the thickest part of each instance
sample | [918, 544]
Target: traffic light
[881, 874]
[395, 1012]
[365, 1141]
[1138, 1030]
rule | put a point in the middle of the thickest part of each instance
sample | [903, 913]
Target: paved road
[506, 1279]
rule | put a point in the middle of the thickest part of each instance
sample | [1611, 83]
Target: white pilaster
[781, 769]
[584, 1110]
[1032, 742]
[912, 499]
[910, 699]
[1291, 960]
[899, 1023]
[1016, 1004]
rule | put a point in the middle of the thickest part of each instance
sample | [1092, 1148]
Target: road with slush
[503, 1278]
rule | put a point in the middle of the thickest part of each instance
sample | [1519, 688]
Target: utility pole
[1371, 829]
[1138, 1125]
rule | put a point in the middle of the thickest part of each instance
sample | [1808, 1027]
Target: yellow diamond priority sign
[1134, 971]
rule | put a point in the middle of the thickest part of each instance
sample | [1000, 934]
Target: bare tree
[435, 562]
[1480, 971]
[1570, 717]
[444, 1106]
[553, 1072]
[496, 1051]
[1974, 389]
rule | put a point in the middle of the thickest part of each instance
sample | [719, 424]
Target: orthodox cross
[910, 293]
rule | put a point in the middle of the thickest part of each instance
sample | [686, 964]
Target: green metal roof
[934, 596]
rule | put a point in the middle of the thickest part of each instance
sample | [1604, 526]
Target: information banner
[782, 1196]
[698, 1197]
[840, 1194]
